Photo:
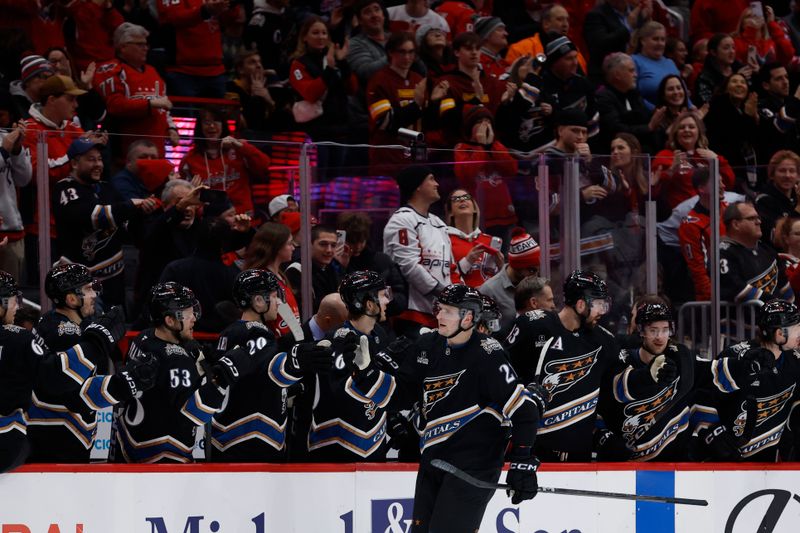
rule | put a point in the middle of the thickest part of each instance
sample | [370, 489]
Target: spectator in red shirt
[91, 106]
[493, 33]
[224, 162]
[197, 68]
[759, 39]
[135, 94]
[461, 15]
[712, 16]
[95, 22]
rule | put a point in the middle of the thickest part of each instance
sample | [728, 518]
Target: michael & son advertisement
[379, 499]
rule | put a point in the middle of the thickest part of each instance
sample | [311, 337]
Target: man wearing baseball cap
[90, 215]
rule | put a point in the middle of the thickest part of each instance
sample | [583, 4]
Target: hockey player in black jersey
[61, 427]
[252, 425]
[160, 426]
[350, 406]
[754, 394]
[576, 356]
[653, 394]
[489, 320]
[25, 362]
[469, 396]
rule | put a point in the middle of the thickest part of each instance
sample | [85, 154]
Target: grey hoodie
[15, 171]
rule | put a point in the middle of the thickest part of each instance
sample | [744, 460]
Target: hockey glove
[310, 358]
[232, 366]
[663, 370]
[609, 446]
[137, 376]
[721, 443]
[522, 474]
[107, 329]
[540, 395]
[345, 342]
[389, 360]
[747, 369]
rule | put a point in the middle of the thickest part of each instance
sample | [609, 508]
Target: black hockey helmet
[65, 279]
[463, 297]
[584, 285]
[8, 288]
[169, 299]
[647, 313]
[255, 282]
[777, 314]
[359, 287]
[490, 313]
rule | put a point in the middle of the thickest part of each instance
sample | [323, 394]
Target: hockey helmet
[359, 287]
[777, 314]
[169, 299]
[67, 278]
[490, 313]
[584, 285]
[255, 282]
[647, 313]
[463, 297]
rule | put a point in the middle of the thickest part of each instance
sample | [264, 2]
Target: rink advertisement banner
[379, 499]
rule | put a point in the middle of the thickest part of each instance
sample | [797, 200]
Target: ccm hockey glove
[107, 329]
[522, 474]
[721, 443]
[310, 358]
[137, 376]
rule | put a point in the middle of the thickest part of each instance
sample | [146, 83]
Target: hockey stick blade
[475, 482]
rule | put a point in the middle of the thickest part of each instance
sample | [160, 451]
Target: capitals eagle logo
[562, 374]
[437, 388]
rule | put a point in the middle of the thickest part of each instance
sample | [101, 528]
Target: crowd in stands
[616, 87]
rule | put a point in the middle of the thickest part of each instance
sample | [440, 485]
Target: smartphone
[341, 237]
[752, 55]
[496, 243]
[757, 8]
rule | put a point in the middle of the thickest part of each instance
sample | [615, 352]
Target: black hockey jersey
[757, 414]
[348, 421]
[61, 425]
[161, 425]
[252, 423]
[467, 395]
[653, 419]
[575, 364]
[89, 219]
[751, 274]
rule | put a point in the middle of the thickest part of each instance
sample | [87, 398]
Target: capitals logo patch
[68, 327]
[437, 388]
[641, 415]
[772, 405]
[491, 345]
[562, 374]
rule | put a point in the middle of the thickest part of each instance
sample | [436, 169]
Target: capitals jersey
[89, 220]
[652, 418]
[468, 395]
[751, 274]
[61, 427]
[694, 234]
[575, 364]
[160, 426]
[756, 415]
[485, 267]
[252, 423]
[460, 16]
[348, 422]
[127, 92]
[420, 246]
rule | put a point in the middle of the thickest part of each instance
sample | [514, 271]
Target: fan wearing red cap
[523, 261]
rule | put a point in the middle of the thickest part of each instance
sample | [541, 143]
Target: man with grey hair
[621, 107]
[134, 93]
[532, 293]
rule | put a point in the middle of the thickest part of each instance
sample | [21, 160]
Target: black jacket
[622, 113]
[606, 34]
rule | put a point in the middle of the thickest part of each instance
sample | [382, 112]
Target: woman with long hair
[760, 39]
[435, 53]
[673, 96]
[478, 254]
[687, 148]
[321, 79]
[778, 196]
[627, 166]
[732, 124]
[787, 242]
[271, 247]
[224, 162]
[651, 64]
[719, 64]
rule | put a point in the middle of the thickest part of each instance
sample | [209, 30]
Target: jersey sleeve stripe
[75, 365]
[380, 393]
[516, 399]
[379, 108]
[15, 420]
[94, 393]
[446, 105]
[196, 411]
[722, 376]
[621, 392]
[277, 371]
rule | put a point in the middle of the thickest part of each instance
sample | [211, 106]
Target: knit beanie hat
[571, 117]
[33, 65]
[409, 179]
[484, 26]
[472, 115]
[558, 48]
[154, 172]
[523, 251]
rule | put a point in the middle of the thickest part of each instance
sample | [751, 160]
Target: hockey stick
[463, 476]
[286, 313]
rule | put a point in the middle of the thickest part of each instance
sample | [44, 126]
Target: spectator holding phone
[760, 39]
[224, 162]
[477, 254]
